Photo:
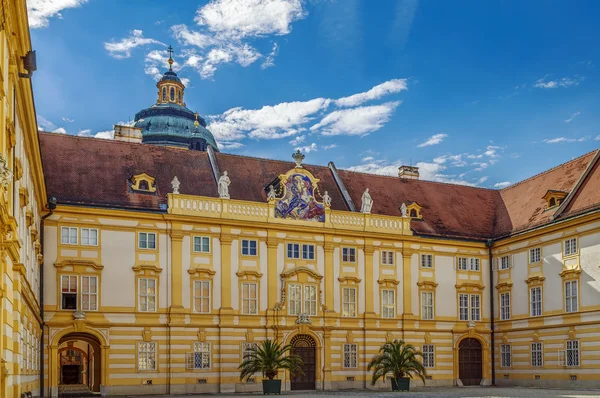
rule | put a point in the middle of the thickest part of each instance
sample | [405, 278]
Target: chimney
[128, 133]
[408, 172]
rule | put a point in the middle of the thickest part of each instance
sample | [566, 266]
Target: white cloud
[501, 185]
[307, 149]
[573, 116]
[229, 145]
[45, 124]
[361, 120]
[597, 138]
[122, 49]
[60, 130]
[40, 11]
[563, 82]
[482, 180]
[327, 147]
[66, 119]
[368, 158]
[433, 140]
[559, 140]
[270, 60]
[298, 140]
[85, 133]
[390, 87]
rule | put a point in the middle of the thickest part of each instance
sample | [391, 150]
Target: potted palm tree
[400, 360]
[268, 358]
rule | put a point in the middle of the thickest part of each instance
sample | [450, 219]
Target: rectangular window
[426, 261]
[310, 300]
[505, 358]
[293, 250]
[147, 295]
[535, 255]
[536, 301]
[428, 356]
[308, 252]
[201, 244]
[474, 264]
[68, 290]
[461, 263]
[248, 247]
[387, 257]
[475, 307]
[350, 356]
[348, 302]
[89, 237]
[68, 236]
[250, 298]
[388, 303]
[247, 349]
[202, 357]
[348, 254]
[505, 262]
[294, 299]
[463, 307]
[202, 297]
[537, 355]
[571, 296]
[572, 352]
[147, 240]
[504, 306]
[427, 305]
[89, 293]
[570, 246]
[146, 356]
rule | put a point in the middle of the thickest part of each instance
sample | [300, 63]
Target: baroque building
[160, 261]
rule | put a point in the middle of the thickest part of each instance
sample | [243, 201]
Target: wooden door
[470, 368]
[305, 348]
[70, 374]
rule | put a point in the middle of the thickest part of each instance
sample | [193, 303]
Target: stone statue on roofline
[175, 184]
[224, 182]
[271, 195]
[367, 202]
[327, 200]
[404, 210]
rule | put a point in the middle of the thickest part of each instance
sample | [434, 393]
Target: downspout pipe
[490, 243]
[51, 207]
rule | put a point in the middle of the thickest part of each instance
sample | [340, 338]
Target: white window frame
[201, 244]
[505, 262]
[428, 355]
[573, 347]
[475, 264]
[310, 300]
[571, 296]
[293, 250]
[247, 348]
[202, 285]
[387, 257]
[246, 298]
[469, 307]
[427, 305]
[201, 357]
[462, 263]
[475, 301]
[89, 295]
[87, 240]
[348, 254]
[426, 260]
[294, 298]
[570, 247]
[248, 249]
[308, 252]
[62, 292]
[537, 354]
[463, 307]
[505, 355]
[349, 309]
[146, 295]
[350, 360]
[144, 240]
[535, 255]
[505, 306]
[147, 353]
[536, 301]
[388, 307]
[71, 237]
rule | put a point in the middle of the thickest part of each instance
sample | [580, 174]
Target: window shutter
[189, 360]
[562, 358]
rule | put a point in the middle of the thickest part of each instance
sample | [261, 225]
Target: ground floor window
[537, 354]
[350, 356]
[505, 357]
[573, 353]
[428, 356]
[146, 356]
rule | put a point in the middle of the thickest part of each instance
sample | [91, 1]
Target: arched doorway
[305, 347]
[80, 367]
[470, 364]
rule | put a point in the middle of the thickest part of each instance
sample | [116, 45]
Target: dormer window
[143, 183]
[414, 210]
[554, 198]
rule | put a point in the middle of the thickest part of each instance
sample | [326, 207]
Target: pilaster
[407, 284]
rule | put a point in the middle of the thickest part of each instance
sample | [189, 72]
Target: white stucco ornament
[5, 174]
[298, 158]
[175, 184]
[303, 319]
[79, 315]
[367, 202]
[224, 182]
[327, 199]
[404, 210]
[271, 195]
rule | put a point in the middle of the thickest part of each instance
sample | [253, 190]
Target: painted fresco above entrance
[298, 201]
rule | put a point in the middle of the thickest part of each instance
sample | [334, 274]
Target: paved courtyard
[433, 392]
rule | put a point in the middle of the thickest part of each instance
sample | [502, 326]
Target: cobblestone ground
[433, 392]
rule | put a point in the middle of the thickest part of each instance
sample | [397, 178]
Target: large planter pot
[271, 387]
[401, 384]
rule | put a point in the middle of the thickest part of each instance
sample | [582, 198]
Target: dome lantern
[170, 87]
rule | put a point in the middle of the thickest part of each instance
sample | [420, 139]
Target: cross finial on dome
[170, 58]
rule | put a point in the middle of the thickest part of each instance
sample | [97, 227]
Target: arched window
[143, 186]
[172, 94]
[178, 96]
[164, 96]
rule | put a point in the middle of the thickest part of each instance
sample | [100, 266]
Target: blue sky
[483, 93]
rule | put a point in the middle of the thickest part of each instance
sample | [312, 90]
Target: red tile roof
[95, 172]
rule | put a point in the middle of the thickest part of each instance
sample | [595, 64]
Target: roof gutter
[490, 244]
